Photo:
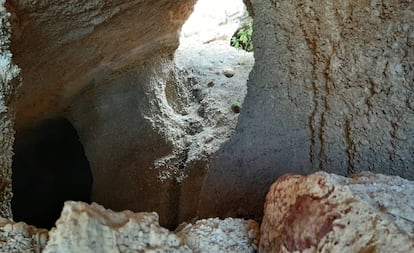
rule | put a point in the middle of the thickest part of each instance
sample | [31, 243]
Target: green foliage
[242, 39]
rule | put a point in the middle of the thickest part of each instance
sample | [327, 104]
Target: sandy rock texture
[66, 47]
[8, 81]
[215, 235]
[21, 238]
[92, 228]
[92, 63]
[330, 213]
[332, 89]
[149, 116]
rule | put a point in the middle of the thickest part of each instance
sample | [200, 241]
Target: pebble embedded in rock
[228, 72]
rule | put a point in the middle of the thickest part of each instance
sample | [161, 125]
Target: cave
[149, 105]
[49, 167]
[174, 120]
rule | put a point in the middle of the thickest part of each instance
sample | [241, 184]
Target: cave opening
[49, 167]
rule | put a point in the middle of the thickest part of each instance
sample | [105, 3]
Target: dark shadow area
[49, 167]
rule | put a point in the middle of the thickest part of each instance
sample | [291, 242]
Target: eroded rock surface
[21, 238]
[329, 213]
[332, 89]
[92, 62]
[65, 47]
[148, 116]
[214, 235]
[92, 228]
[8, 73]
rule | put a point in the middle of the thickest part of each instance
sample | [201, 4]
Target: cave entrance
[49, 167]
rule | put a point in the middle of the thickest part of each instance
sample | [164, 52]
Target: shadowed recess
[49, 167]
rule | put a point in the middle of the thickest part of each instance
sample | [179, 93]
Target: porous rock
[18, 237]
[92, 228]
[8, 82]
[214, 235]
[330, 213]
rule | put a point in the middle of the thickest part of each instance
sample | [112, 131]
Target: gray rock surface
[67, 47]
[92, 62]
[145, 114]
[330, 213]
[214, 235]
[332, 89]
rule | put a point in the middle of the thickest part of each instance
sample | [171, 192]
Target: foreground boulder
[329, 213]
[92, 228]
[214, 235]
[18, 237]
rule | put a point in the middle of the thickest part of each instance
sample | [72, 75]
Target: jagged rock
[21, 238]
[329, 213]
[8, 81]
[92, 228]
[215, 235]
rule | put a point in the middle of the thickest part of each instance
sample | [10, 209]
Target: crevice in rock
[49, 167]
[203, 92]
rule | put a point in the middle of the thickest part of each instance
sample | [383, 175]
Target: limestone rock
[21, 238]
[329, 213]
[92, 228]
[8, 73]
[215, 235]
[331, 89]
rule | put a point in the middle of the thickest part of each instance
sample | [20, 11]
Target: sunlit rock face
[331, 89]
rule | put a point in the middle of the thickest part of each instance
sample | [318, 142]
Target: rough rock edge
[92, 228]
[9, 81]
[235, 235]
[21, 238]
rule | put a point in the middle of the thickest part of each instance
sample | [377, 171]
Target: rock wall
[148, 116]
[332, 89]
[8, 82]
[66, 47]
[91, 62]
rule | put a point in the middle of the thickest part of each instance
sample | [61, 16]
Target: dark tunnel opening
[49, 167]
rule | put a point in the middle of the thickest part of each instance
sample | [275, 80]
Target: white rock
[92, 228]
[215, 235]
